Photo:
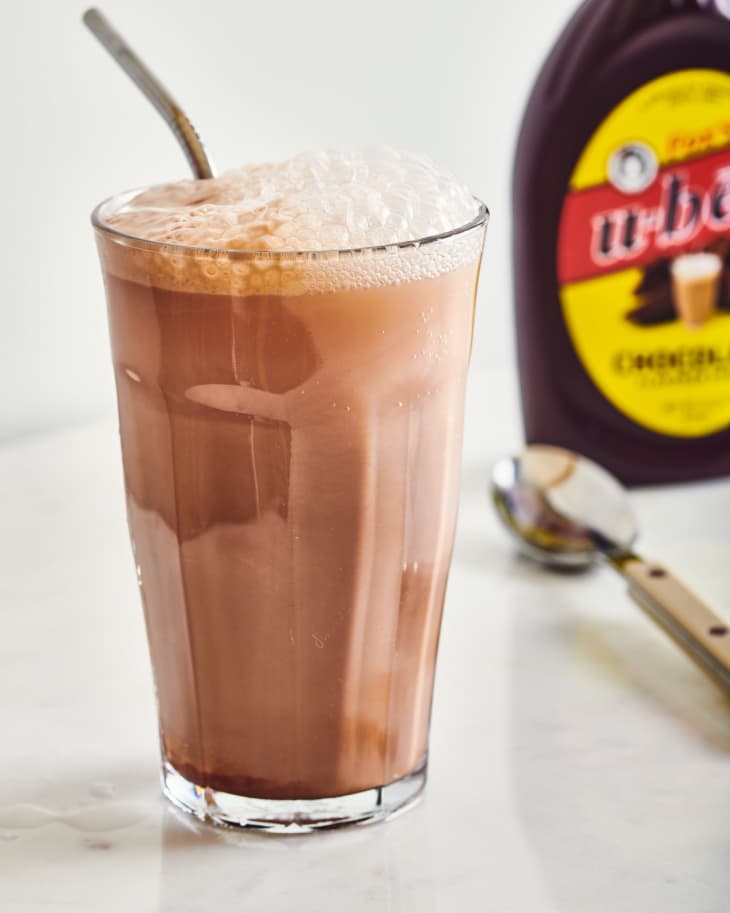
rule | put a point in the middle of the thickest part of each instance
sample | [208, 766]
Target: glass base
[293, 816]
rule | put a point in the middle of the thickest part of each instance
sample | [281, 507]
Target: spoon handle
[695, 628]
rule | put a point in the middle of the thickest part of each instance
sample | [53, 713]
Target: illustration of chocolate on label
[654, 291]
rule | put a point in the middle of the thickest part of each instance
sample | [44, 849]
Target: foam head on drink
[291, 428]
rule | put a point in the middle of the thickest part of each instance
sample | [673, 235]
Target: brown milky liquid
[291, 466]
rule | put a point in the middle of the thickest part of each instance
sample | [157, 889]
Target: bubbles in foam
[315, 201]
[322, 205]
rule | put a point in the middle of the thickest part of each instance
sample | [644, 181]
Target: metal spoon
[151, 86]
[566, 511]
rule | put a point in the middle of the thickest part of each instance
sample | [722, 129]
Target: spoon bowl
[562, 509]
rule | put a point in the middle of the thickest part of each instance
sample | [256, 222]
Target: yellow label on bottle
[644, 255]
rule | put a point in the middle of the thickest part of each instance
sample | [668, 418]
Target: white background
[260, 81]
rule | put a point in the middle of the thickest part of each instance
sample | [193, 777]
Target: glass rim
[97, 220]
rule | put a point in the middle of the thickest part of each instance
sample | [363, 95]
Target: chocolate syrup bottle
[622, 240]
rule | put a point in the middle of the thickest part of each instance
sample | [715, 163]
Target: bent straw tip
[91, 15]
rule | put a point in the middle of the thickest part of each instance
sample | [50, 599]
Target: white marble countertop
[579, 763]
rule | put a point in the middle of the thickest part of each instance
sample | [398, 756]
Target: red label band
[604, 229]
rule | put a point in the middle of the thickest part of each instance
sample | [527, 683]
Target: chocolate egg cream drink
[290, 368]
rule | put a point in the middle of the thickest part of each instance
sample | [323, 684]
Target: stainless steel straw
[150, 85]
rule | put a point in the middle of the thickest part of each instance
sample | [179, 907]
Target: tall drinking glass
[291, 430]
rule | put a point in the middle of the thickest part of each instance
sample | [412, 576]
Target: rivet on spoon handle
[150, 85]
[692, 625]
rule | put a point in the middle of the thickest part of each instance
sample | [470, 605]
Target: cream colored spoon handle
[693, 626]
